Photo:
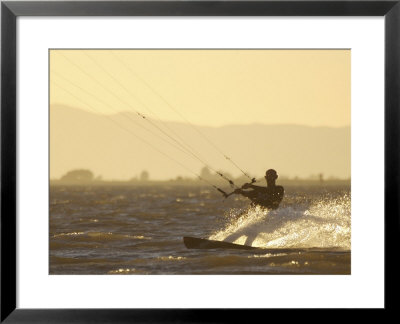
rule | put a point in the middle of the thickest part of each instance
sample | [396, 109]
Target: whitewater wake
[325, 223]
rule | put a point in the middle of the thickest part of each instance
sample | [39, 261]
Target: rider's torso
[267, 197]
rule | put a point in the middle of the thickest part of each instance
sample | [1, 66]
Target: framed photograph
[175, 160]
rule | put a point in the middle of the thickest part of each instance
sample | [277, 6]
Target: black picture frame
[11, 10]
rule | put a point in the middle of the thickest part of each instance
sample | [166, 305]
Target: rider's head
[271, 175]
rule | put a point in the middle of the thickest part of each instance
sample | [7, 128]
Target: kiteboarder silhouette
[268, 197]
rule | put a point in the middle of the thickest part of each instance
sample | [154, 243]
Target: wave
[171, 258]
[99, 236]
[126, 271]
[325, 223]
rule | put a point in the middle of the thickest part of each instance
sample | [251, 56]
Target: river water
[140, 229]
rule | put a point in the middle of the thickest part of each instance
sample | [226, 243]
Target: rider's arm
[256, 187]
[251, 186]
[250, 193]
[242, 192]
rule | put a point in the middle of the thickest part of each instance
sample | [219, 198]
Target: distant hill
[109, 146]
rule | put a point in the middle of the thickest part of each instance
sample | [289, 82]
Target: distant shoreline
[187, 182]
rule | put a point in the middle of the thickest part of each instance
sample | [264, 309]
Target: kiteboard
[199, 243]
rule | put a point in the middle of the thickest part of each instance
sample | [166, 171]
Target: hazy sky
[208, 87]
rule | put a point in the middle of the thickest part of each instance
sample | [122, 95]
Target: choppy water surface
[139, 230]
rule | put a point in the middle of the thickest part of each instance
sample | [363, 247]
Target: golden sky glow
[208, 87]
